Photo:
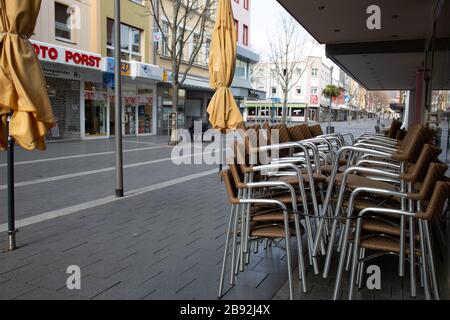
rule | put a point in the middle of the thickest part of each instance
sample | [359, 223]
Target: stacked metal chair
[393, 177]
[269, 198]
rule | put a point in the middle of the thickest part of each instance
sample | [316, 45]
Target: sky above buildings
[264, 21]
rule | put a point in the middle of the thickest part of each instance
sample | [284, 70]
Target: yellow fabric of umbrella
[22, 86]
[223, 110]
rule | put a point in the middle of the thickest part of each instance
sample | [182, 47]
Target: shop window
[96, 111]
[145, 111]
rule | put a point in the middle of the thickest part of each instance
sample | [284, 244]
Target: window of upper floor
[63, 15]
[245, 35]
[242, 69]
[131, 38]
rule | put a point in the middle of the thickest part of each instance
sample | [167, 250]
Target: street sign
[347, 99]
[157, 36]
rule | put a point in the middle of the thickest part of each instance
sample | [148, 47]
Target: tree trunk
[306, 114]
[285, 106]
[175, 100]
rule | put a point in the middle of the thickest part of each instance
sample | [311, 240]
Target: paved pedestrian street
[164, 240]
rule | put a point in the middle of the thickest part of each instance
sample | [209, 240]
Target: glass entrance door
[129, 120]
[129, 116]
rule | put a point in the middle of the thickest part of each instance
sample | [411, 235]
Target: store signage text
[109, 64]
[52, 53]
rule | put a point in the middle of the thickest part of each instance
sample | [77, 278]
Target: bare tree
[183, 25]
[286, 56]
[258, 75]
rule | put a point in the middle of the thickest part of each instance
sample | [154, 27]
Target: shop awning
[196, 83]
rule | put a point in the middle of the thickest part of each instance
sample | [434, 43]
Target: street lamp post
[118, 101]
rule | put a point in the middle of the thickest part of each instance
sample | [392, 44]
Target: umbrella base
[12, 240]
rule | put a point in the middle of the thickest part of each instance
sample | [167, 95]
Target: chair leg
[356, 255]
[256, 249]
[333, 231]
[424, 261]
[288, 255]
[340, 242]
[431, 257]
[349, 256]
[234, 246]
[342, 256]
[330, 249]
[301, 262]
[412, 257]
[225, 254]
[361, 267]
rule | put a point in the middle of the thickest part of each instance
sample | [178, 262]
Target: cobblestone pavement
[164, 240]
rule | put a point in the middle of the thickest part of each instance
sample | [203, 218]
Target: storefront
[66, 72]
[138, 98]
[80, 86]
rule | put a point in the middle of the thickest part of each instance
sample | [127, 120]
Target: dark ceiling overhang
[380, 65]
[386, 59]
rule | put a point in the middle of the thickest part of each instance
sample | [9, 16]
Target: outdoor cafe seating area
[336, 198]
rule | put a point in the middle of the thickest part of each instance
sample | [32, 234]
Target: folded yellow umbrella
[223, 110]
[22, 85]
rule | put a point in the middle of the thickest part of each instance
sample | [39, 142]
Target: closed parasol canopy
[22, 86]
[223, 110]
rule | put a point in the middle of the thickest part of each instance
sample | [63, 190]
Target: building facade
[246, 57]
[74, 41]
[305, 98]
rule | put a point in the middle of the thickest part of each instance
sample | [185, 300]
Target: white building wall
[242, 15]
[83, 28]
[306, 82]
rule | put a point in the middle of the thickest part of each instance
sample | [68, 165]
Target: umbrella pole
[10, 174]
[221, 152]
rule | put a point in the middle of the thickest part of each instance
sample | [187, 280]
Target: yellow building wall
[165, 62]
[132, 14]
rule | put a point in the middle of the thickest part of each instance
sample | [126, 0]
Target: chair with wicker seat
[388, 199]
[276, 223]
[386, 240]
[350, 180]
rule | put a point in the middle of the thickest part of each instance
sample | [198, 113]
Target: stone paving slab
[128, 251]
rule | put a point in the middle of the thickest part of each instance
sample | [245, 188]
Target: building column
[416, 108]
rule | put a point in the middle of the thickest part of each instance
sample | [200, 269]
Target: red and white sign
[95, 95]
[68, 56]
[314, 99]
